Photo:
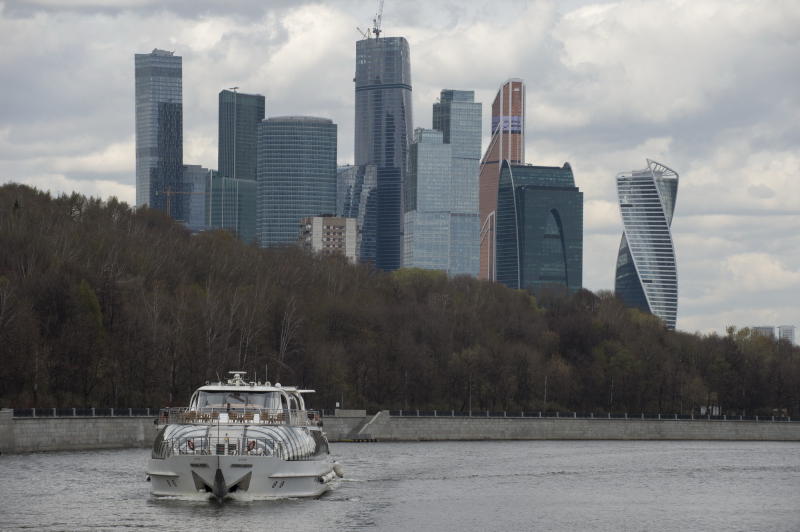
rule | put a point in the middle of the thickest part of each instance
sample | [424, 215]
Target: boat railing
[219, 446]
[248, 416]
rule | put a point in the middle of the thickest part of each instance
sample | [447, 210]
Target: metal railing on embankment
[85, 412]
[584, 415]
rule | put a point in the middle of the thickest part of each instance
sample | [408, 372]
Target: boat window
[270, 400]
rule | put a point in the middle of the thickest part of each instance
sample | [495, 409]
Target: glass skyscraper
[428, 199]
[441, 189]
[239, 116]
[647, 273]
[296, 175]
[159, 131]
[231, 205]
[458, 117]
[356, 198]
[539, 227]
[506, 144]
[195, 183]
[383, 129]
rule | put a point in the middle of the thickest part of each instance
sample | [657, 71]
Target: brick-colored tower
[507, 143]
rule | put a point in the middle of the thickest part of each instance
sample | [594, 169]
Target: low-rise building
[329, 234]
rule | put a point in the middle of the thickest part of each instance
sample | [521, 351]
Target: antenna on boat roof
[266, 372]
[218, 379]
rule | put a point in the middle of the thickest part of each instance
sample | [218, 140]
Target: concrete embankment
[22, 435]
[383, 427]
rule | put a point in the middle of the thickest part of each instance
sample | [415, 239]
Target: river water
[542, 485]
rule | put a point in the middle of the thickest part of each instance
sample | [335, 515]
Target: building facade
[647, 273]
[787, 332]
[159, 131]
[383, 130]
[539, 228]
[332, 235]
[428, 200]
[507, 143]
[458, 117]
[239, 116]
[195, 184]
[356, 197]
[296, 175]
[231, 206]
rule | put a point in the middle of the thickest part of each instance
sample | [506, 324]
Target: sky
[710, 88]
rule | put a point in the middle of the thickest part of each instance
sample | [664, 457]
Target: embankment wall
[22, 435]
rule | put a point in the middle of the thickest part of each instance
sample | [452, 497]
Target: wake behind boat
[241, 437]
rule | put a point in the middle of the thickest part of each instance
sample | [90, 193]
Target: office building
[329, 235]
[195, 182]
[458, 117]
[786, 332]
[239, 116]
[296, 175]
[159, 131]
[507, 143]
[647, 273]
[357, 198]
[428, 200]
[231, 206]
[539, 228]
[383, 129]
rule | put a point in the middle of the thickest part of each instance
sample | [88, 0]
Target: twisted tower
[647, 274]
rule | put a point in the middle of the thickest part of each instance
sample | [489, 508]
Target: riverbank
[27, 434]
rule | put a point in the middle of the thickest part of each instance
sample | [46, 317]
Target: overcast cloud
[709, 88]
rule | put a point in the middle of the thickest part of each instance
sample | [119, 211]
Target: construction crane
[376, 23]
[168, 192]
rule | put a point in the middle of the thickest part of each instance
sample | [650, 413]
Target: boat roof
[237, 383]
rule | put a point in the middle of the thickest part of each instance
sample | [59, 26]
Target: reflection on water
[439, 486]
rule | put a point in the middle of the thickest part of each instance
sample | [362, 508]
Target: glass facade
[442, 225]
[356, 197]
[239, 116]
[231, 205]
[383, 128]
[647, 274]
[506, 144]
[159, 131]
[539, 227]
[296, 175]
[195, 183]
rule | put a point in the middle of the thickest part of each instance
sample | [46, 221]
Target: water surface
[439, 486]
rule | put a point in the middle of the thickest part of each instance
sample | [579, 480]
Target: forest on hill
[101, 305]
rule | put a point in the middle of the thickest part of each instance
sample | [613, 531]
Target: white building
[329, 234]
[786, 332]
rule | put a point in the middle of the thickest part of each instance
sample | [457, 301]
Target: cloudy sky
[709, 88]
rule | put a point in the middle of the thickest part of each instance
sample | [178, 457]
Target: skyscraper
[458, 117]
[356, 197]
[506, 144]
[428, 199]
[231, 206]
[383, 129]
[195, 182]
[296, 175]
[539, 229]
[647, 274]
[239, 116]
[159, 131]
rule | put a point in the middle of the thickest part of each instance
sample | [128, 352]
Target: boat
[241, 439]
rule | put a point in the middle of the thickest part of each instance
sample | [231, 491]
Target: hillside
[104, 306]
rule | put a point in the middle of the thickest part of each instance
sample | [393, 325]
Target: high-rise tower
[507, 144]
[296, 175]
[647, 274]
[383, 130]
[539, 228]
[239, 116]
[159, 132]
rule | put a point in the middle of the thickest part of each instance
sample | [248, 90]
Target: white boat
[251, 439]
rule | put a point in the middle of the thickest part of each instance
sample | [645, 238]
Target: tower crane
[376, 22]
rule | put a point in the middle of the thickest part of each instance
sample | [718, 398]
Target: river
[513, 485]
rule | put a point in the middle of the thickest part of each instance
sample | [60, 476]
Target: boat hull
[256, 477]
